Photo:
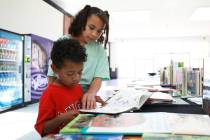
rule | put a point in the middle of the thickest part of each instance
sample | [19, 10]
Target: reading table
[179, 106]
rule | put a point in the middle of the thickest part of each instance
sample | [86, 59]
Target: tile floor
[19, 124]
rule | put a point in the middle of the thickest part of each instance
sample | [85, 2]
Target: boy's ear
[54, 68]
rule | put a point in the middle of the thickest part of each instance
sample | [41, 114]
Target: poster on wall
[40, 53]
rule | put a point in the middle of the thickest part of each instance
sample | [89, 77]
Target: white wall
[150, 54]
[31, 16]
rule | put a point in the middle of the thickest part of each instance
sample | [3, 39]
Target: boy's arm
[58, 121]
[88, 100]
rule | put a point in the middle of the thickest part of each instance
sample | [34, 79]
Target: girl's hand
[99, 100]
[88, 101]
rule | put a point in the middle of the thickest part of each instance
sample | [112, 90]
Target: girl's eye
[92, 28]
[100, 31]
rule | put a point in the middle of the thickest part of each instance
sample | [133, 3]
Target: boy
[61, 100]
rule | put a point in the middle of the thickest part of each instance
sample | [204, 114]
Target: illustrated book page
[155, 122]
[138, 123]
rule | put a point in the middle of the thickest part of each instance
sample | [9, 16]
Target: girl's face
[69, 74]
[93, 30]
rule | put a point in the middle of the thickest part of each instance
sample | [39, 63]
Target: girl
[91, 28]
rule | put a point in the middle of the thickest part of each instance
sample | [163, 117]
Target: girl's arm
[58, 121]
[88, 100]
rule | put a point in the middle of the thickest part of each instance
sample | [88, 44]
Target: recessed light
[201, 14]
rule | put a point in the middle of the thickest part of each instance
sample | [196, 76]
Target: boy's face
[70, 73]
[94, 29]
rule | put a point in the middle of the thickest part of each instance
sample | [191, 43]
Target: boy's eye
[70, 74]
[80, 73]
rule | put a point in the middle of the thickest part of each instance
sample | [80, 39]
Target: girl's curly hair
[80, 20]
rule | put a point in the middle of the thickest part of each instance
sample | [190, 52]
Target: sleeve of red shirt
[46, 111]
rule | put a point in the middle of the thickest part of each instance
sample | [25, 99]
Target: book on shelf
[139, 123]
[123, 101]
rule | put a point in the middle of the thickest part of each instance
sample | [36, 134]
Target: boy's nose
[76, 78]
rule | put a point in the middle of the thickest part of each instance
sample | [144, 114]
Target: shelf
[7, 60]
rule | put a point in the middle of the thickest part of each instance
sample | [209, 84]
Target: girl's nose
[95, 33]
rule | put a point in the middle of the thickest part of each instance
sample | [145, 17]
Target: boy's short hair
[67, 49]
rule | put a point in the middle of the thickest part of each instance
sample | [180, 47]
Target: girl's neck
[80, 39]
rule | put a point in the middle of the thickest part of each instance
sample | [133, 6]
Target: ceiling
[168, 18]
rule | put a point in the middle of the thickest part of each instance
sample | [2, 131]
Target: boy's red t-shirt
[56, 100]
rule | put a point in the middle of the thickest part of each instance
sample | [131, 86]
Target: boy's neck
[58, 83]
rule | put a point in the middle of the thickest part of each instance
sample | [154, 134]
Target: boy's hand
[72, 113]
[68, 116]
[88, 101]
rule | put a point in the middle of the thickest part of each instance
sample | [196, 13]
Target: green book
[78, 125]
[115, 124]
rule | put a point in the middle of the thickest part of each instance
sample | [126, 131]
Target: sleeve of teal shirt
[102, 68]
[50, 71]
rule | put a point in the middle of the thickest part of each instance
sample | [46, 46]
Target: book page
[123, 100]
[138, 123]
[155, 122]
[192, 124]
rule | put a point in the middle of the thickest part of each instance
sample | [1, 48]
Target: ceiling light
[201, 14]
[124, 17]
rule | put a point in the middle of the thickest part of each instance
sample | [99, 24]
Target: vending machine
[37, 54]
[11, 70]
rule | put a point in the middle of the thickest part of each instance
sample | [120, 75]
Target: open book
[138, 123]
[124, 100]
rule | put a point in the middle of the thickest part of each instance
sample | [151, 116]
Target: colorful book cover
[84, 137]
[82, 123]
[76, 126]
